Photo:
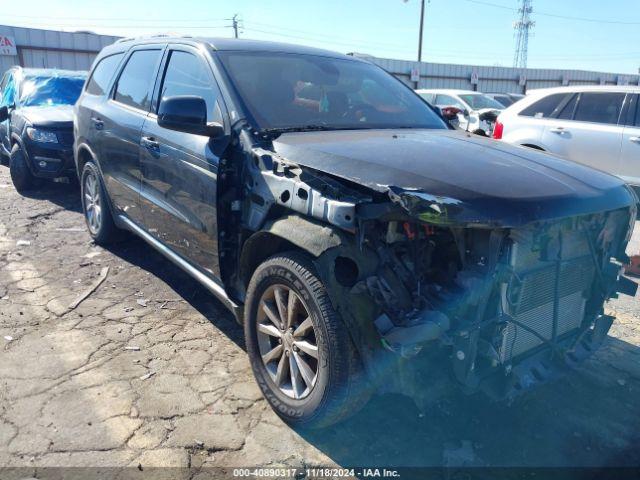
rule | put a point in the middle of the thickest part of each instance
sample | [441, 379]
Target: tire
[339, 389]
[22, 178]
[95, 207]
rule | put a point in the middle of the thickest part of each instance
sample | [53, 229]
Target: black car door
[120, 121]
[180, 170]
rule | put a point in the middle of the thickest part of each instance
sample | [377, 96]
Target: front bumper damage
[433, 291]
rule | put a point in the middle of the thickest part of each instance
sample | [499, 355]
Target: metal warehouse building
[493, 79]
[30, 47]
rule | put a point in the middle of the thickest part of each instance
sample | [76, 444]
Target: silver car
[598, 126]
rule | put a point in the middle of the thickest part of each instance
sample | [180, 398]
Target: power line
[554, 15]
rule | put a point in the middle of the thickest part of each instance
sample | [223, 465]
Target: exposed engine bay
[498, 308]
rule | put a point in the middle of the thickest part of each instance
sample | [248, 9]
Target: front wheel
[95, 207]
[301, 354]
[21, 176]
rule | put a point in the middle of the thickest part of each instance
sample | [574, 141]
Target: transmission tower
[523, 26]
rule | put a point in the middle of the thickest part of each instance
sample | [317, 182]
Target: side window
[637, 110]
[599, 107]
[9, 92]
[3, 82]
[447, 101]
[102, 74]
[428, 97]
[567, 111]
[186, 74]
[136, 80]
[544, 107]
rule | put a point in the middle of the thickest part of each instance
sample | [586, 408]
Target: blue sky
[456, 31]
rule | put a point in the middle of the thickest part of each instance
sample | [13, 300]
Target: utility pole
[421, 28]
[235, 25]
[523, 26]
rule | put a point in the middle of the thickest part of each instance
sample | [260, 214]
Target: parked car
[363, 244]
[36, 123]
[598, 126]
[477, 112]
[506, 99]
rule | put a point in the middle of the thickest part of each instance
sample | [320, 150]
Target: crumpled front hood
[55, 116]
[452, 177]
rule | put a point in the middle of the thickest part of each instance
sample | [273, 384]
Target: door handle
[150, 143]
[635, 139]
[97, 123]
[558, 130]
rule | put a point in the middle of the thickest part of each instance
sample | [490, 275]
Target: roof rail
[155, 35]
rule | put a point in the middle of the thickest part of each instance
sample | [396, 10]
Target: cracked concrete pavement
[115, 383]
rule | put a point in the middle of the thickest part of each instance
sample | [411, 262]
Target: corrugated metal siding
[494, 79]
[53, 49]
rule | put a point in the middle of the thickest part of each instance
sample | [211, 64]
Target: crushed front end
[501, 309]
[431, 291]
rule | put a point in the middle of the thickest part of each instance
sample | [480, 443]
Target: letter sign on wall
[415, 74]
[7, 46]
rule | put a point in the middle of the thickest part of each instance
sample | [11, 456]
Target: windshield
[290, 91]
[50, 91]
[478, 101]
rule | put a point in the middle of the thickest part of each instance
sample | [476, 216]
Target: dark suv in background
[364, 245]
[36, 123]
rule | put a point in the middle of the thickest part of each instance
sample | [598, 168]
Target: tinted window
[102, 74]
[567, 111]
[637, 110]
[599, 107]
[503, 99]
[186, 74]
[544, 107]
[281, 90]
[479, 101]
[135, 83]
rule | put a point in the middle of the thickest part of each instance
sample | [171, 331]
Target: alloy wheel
[287, 341]
[92, 202]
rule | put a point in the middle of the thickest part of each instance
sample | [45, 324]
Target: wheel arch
[83, 155]
[291, 232]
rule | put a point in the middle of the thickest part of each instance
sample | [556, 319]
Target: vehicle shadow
[65, 195]
[136, 252]
[586, 419]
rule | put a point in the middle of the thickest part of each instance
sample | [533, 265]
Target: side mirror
[187, 113]
[4, 113]
[450, 113]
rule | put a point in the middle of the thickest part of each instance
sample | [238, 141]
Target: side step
[206, 281]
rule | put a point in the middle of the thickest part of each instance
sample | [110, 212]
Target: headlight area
[41, 136]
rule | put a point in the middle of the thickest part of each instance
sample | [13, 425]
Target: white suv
[598, 126]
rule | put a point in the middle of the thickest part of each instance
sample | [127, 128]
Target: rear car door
[180, 170]
[120, 121]
[588, 133]
[630, 154]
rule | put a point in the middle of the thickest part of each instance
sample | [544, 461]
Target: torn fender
[309, 235]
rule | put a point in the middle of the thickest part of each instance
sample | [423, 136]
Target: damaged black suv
[36, 123]
[364, 245]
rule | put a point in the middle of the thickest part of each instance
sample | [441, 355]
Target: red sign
[7, 45]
